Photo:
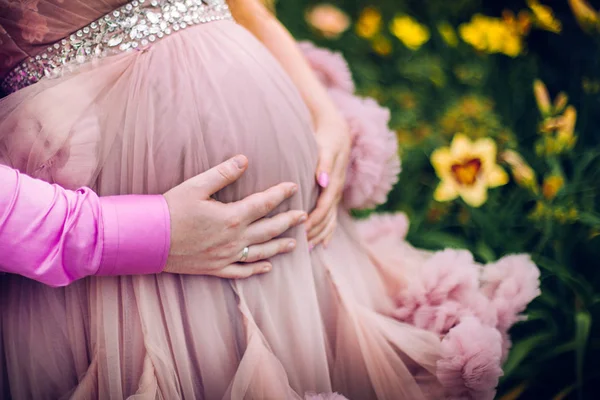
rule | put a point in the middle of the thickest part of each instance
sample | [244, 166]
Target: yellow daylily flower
[587, 18]
[409, 31]
[513, 46]
[492, 35]
[467, 169]
[369, 23]
[544, 17]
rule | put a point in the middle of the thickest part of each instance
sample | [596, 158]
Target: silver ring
[245, 253]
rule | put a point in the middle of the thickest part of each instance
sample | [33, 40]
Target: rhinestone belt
[134, 26]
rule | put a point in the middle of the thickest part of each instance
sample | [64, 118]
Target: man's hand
[209, 237]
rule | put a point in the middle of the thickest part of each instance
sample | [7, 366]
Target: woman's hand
[331, 130]
[333, 139]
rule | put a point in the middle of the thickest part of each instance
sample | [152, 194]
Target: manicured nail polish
[303, 219]
[323, 179]
[291, 245]
[311, 247]
[267, 268]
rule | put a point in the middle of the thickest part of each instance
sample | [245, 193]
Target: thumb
[324, 167]
[216, 178]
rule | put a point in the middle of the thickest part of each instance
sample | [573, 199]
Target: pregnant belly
[231, 97]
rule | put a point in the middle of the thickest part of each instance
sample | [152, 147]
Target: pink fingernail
[303, 219]
[323, 179]
[311, 247]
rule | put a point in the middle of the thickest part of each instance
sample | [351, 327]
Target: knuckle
[213, 252]
[226, 171]
[231, 247]
[274, 231]
[233, 221]
[268, 205]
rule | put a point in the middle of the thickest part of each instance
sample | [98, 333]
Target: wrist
[327, 114]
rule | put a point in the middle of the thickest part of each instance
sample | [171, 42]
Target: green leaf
[548, 298]
[443, 240]
[485, 252]
[557, 350]
[521, 350]
[569, 277]
[590, 219]
[583, 323]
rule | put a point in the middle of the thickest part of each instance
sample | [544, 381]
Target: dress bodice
[27, 27]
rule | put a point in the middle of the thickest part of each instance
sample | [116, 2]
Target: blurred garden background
[525, 74]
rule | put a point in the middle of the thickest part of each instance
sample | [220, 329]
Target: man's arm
[57, 236]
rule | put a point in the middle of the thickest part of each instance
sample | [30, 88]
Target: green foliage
[446, 87]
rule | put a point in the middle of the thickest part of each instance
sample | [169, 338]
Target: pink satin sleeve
[57, 236]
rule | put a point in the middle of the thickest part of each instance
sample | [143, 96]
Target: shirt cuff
[137, 235]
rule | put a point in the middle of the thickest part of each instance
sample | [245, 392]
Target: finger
[330, 196]
[329, 229]
[325, 166]
[241, 271]
[319, 225]
[266, 229]
[317, 230]
[257, 205]
[269, 249]
[326, 202]
[216, 178]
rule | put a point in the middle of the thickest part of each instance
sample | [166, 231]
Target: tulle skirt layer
[141, 123]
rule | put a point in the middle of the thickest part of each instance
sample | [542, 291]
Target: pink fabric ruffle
[470, 364]
[472, 307]
[510, 284]
[378, 225]
[331, 68]
[374, 162]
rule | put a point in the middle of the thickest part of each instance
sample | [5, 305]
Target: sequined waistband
[134, 26]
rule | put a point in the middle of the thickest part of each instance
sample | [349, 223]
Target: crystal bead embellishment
[133, 26]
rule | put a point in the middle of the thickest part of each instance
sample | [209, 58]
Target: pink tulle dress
[135, 98]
